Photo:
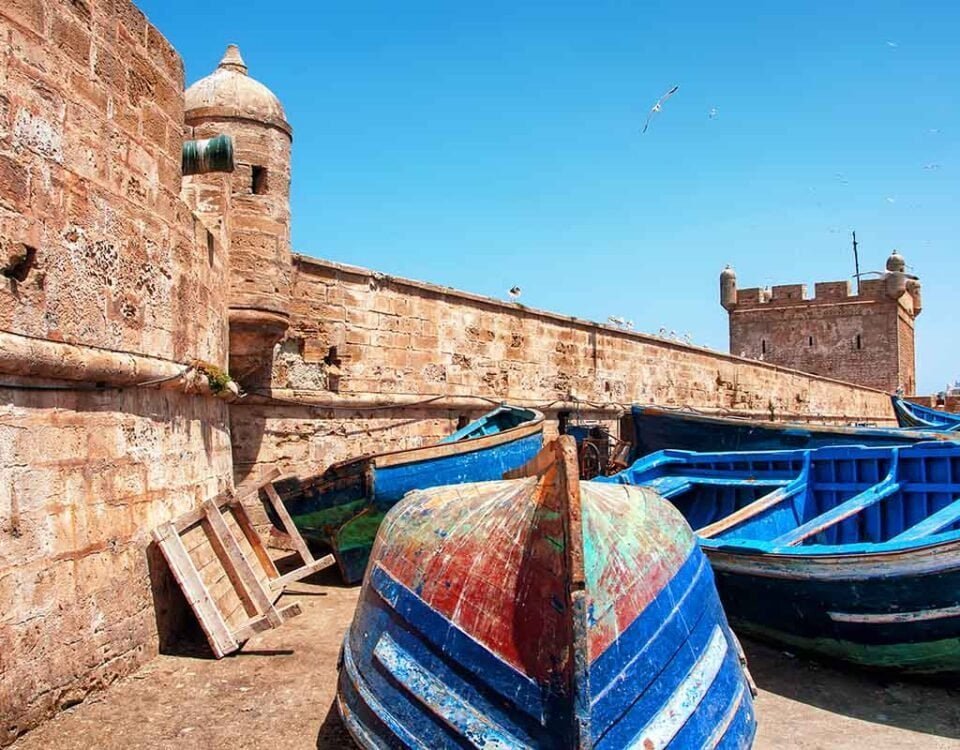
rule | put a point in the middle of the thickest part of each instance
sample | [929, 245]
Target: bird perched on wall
[514, 293]
[658, 107]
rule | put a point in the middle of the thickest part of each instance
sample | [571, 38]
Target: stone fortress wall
[116, 272]
[107, 278]
[359, 338]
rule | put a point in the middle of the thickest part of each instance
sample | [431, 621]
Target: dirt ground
[278, 693]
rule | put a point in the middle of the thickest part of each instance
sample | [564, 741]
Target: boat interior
[831, 496]
[500, 419]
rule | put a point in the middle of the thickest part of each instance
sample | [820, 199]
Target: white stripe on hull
[663, 727]
[887, 617]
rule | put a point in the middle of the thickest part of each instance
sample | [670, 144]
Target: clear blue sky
[482, 145]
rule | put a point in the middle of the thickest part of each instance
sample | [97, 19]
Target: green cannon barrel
[208, 155]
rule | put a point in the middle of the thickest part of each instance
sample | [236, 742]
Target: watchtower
[865, 338]
[258, 225]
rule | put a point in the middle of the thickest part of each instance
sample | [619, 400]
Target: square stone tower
[865, 338]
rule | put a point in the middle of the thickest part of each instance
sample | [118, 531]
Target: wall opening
[763, 346]
[258, 180]
[810, 341]
[211, 246]
[859, 342]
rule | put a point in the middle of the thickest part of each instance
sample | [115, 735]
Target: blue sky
[482, 145]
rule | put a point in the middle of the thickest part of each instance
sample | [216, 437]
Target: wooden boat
[848, 553]
[541, 612]
[342, 508]
[917, 417]
[657, 428]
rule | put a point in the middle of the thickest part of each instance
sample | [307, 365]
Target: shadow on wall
[178, 632]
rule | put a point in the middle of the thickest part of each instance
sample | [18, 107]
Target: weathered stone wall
[865, 338]
[98, 250]
[363, 339]
[85, 477]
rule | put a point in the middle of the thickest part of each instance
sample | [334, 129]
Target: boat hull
[917, 417]
[343, 509]
[662, 429]
[508, 619]
[848, 553]
[893, 611]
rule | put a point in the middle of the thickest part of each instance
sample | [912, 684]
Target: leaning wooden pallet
[225, 571]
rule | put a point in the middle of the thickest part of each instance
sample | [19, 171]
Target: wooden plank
[194, 517]
[218, 635]
[287, 521]
[245, 547]
[252, 493]
[259, 624]
[238, 567]
[848, 509]
[932, 524]
[755, 508]
[295, 575]
[246, 526]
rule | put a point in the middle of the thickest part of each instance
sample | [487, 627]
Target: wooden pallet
[225, 571]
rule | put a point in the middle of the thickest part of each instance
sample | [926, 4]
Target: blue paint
[918, 417]
[659, 429]
[341, 509]
[413, 678]
[857, 555]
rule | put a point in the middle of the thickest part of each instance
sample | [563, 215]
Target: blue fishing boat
[917, 417]
[541, 612]
[657, 428]
[343, 507]
[848, 553]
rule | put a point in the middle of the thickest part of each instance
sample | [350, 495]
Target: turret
[728, 288]
[898, 282]
[230, 102]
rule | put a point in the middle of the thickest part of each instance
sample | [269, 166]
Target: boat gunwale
[930, 435]
[403, 456]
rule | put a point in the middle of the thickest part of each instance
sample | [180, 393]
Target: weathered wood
[259, 549]
[309, 569]
[218, 635]
[759, 505]
[853, 506]
[259, 624]
[238, 568]
[288, 524]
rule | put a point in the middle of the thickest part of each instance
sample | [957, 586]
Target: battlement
[825, 292]
[864, 337]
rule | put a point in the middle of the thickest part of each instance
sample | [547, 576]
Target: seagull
[712, 114]
[514, 292]
[931, 166]
[658, 107]
[891, 200]
[893, 45]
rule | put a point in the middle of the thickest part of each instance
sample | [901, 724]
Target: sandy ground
[278, 693]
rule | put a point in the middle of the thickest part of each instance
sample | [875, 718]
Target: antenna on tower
[856, 261]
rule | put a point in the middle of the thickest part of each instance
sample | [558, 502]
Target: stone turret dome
[230, 92]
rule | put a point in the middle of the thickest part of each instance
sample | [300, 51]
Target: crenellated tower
[865, 338]
[229, 101]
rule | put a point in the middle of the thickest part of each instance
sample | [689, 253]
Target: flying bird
[893, 45]
[658, 107]
[514, 292]
[712, 114]
[931, 166]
